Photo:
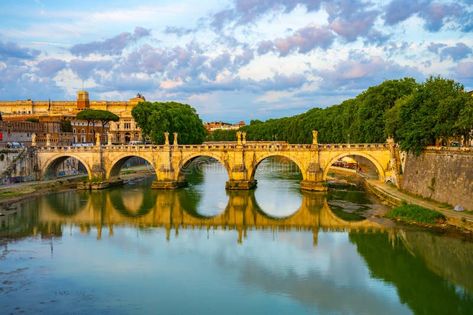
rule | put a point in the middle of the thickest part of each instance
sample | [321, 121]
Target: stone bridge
[240, 159]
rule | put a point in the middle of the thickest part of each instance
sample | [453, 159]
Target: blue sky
[234, 59]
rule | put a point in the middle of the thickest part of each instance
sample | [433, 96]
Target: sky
[232, 60]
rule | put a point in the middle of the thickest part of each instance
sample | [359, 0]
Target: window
[127, 125]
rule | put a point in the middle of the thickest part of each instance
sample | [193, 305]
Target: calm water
[203, 250]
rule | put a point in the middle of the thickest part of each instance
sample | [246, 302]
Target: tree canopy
[156, 118]
[416, 115]
[93, 115]
[437, 109]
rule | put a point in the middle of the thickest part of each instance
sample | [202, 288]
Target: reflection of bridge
[166, 209]
[240, 159]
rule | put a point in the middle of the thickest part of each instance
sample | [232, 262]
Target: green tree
[361, 119]
[96, 115]
[156, 118]
[432, 112]
[222, 135]
[464, 123]
[66, 126]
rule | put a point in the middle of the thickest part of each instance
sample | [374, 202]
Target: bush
[415, 213]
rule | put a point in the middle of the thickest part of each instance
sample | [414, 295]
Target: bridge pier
[240, 184]
[313, 185]
[168, 184]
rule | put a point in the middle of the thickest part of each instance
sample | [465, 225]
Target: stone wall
[442, 175]
[17, 165]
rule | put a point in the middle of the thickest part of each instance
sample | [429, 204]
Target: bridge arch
[117, 164]
[187, 160]
[51, 165]
[276, 154]
[377, 165]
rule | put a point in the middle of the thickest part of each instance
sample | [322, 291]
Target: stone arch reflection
[67, 204]
[204, 195]
[149, 208]
[132, 203]
[278, 191]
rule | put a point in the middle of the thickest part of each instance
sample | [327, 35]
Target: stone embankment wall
[442, 175]
[16, 164]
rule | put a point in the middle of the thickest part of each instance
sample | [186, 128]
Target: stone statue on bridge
[315, 134]
[175, 139]
[166, 138]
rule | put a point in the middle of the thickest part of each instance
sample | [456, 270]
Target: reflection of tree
[193, 172]
[450, 257]
[424, 291]
[67, 203]
[189, 200]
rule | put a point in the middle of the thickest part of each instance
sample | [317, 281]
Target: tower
[83, 100]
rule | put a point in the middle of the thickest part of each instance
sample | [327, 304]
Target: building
[18, 132]
[84, 133]
[220, 125]
[123, 131]
[44, 125]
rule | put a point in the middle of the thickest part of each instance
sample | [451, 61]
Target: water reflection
[309, 253]
[143, 207]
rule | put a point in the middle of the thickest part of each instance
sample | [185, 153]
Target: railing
[263, 146]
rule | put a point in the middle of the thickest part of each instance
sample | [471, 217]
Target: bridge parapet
[248, 146]
[344, 146]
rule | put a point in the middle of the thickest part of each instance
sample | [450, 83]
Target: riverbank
[394, 197]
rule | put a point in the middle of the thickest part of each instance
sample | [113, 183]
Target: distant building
[19, 132]
[44, 125]
[53, 112]
[220, 125]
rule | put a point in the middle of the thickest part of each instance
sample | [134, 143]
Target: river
[201, 250]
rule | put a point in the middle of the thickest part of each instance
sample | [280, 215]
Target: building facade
[50, 112]
[220, 125]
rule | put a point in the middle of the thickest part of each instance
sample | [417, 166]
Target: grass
[9, 194]
[416, 214]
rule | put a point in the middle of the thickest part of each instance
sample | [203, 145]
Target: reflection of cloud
[329, 278]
